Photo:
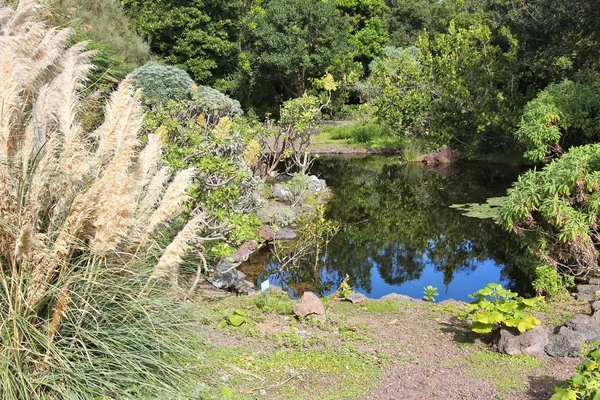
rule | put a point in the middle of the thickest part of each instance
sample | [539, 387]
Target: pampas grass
[78, 211]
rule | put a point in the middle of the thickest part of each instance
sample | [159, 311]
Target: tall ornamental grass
[82, 311]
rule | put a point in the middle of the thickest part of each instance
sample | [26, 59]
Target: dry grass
[71, 202]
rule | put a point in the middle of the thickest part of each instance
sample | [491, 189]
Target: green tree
[287, 44]
[199, 36]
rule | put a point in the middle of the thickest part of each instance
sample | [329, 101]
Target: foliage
[200, 37]
[298, 187]
[561, 115]
[224, 188]
[288, 141]
[585, 383]
[550, 283]
[346, 290]
[278, 216]
[83, 313]
[556, 210]
[495, 306]
[286, 45]
[236, 319]
[161, 83]
[213, 102]
[430, 293]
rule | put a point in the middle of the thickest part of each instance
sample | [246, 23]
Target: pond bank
[375, 350]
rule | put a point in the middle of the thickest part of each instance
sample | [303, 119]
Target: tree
[200, 37]
[287, 44]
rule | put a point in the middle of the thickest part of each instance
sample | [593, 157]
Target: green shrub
[550, 283]
[213, 102]
[495, 307]
[585, 384]
[162, 83]
[430, 293]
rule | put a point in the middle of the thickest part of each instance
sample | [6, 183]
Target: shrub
[550, 283]
[585, 383]
[82, 311]
[556, 210]
[495, 307]
[161, 83]
[213, 102]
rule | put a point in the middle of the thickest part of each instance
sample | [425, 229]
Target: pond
[398, 233]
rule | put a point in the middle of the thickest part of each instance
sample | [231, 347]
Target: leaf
[222, 324]
[236, 320]
[240, 312]
[479, 327]
[564, 394]
[531, 302]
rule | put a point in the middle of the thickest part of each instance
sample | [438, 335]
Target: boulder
[594, 281]
[398, 297]
[586, 325]
[595, 306]
[243, 252]
[452, 302]
[281, 193]
[357, 298]
[565, 343]
[266, 234]
[316, 184]
[285, 234]
[530, 343]
[227, 277]
[309, 304]
[445, 156]
[586, 292]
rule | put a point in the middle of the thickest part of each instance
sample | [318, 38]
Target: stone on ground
[357, 298]
[309, 304]
[586, 325]
[530, 343]
[565, 343]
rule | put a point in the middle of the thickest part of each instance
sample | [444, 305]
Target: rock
[266, 234]
[243, 252]
[281, 193]
[530, 343]
[243, 286]
[594, 281]
[285, 234]
[586, 325]
[445, 156]
[398, 297]
[316, 184]
[226, 277]
[565, 343]
[357, 298]
[309, 304]
[595, 306]
[586, 292]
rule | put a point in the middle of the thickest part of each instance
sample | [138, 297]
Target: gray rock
[594, 281]
[586, 325]
[285, 234]
[530, 343]
[309, 304]
[586, 292]
[316, 184]
[595, 306]
[398, 297]
[357, 298]
[228, 277]
[565, 343]
[281, 193]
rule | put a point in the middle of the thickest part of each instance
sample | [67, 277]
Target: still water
[399, 234]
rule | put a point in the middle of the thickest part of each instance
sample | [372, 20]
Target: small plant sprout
[430, 293]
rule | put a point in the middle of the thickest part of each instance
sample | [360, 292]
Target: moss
[506, 373]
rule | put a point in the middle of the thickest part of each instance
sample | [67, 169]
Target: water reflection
[399, 233]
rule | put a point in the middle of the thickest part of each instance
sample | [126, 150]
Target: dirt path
[375, 350]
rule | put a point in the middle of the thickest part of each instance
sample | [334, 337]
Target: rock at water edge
[309, 304]
[565, 343]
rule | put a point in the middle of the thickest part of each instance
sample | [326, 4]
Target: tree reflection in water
[399, 233]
